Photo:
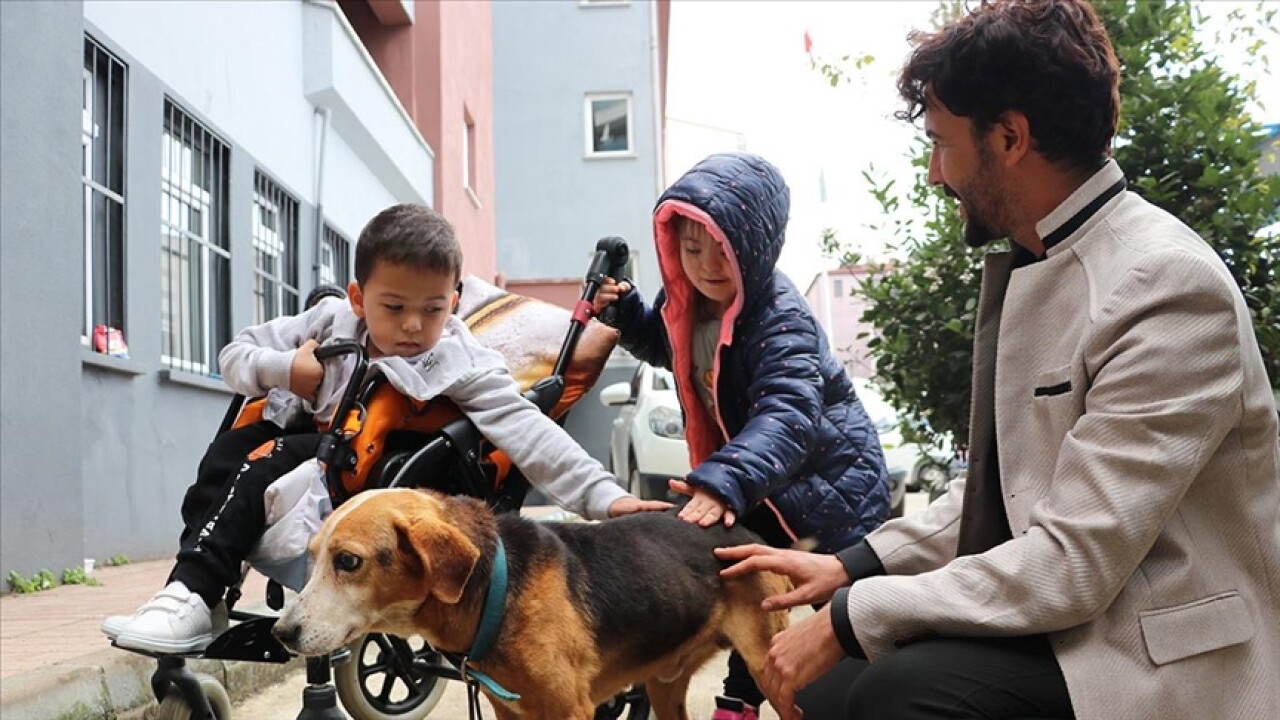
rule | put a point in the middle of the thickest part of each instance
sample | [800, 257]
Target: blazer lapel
[983, 523]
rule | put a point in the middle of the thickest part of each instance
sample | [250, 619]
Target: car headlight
[666, 422]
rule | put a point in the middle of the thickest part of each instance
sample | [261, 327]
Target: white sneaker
[174, 620]
[113, 624]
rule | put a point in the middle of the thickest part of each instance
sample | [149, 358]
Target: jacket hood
[744, 202]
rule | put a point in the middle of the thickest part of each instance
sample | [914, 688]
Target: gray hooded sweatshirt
[258, 360]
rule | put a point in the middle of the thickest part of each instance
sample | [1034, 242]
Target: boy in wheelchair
[400, 308]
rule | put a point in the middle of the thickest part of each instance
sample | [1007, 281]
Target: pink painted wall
[564, 293]
[437, 66]
[455, 75]
[840, 312]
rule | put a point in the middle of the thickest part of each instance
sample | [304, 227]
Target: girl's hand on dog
[703, 508]
[630, 504]
[609, 292]
[306, 372]
[816, 577]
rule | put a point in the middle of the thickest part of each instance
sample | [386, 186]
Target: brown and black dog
[591, 609]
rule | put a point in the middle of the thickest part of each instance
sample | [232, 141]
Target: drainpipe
[660, 149]
[658, 111]
[325, 115]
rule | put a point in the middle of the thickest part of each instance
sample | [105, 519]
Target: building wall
[839, 310]
[440, 67]
[553, 202]
[463, 73]
[1269, 162]
[98, 451]
[40, 286]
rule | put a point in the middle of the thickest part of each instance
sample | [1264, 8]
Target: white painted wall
[258, 71]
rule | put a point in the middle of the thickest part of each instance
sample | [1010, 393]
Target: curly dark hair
[1048, 59]
[408, 234]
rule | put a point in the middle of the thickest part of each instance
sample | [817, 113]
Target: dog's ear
[447, 557]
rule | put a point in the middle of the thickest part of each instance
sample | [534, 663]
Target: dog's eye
[346, 562]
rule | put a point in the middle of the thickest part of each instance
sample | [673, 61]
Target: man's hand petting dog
[815, 577]
[808, 649]
[703, 508]
[630, 505]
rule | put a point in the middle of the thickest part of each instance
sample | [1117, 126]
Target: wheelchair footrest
[250, 640]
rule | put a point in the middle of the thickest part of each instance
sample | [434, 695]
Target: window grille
[195, 259]
[102, 145]
[275, 251]
[335, 259]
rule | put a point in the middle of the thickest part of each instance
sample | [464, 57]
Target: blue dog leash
[495, 601]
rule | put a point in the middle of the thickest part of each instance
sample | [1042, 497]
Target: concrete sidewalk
[56, 664]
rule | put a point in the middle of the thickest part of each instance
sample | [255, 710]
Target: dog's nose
[287, 633]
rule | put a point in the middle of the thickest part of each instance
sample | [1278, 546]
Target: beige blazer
[1141, 483]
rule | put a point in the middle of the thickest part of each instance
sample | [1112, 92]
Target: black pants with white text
[224, 513]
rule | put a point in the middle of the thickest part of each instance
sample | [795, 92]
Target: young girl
[777, 437]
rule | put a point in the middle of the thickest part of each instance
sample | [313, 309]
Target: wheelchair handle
[331, 445]
[335, 348]
[610, 259]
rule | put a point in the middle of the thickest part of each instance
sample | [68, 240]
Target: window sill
[628, 155]
[125, 366]
[179, 377]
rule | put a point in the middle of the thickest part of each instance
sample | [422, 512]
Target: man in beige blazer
[1114, 552]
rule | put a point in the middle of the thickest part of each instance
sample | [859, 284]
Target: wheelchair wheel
[372, 685]
[175, 706]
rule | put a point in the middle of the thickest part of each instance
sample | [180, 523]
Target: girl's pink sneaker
[728, 708]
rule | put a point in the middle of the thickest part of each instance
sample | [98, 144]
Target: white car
[909, 466]
[647, 445]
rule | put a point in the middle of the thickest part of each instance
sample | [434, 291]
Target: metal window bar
[275, 245]
[195, 258]
[335, 259]
[103, 119]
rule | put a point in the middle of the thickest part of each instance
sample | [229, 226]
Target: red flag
[808, 43]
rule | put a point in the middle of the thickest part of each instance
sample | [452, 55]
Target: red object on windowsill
[109, 341]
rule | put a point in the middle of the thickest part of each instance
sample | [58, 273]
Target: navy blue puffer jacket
[798, 437]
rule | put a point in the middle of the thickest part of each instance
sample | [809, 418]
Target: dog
[592, 608]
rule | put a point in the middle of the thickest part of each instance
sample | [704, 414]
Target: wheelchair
[380, 438]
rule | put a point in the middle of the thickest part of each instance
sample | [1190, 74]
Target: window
[195, 263]
[275, 251]
[335, 259]
[102, 173]
[608, 125]
[838, 284]
[663, 380]
[468, 151]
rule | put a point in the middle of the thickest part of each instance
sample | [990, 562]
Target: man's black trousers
[945, 678]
